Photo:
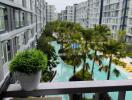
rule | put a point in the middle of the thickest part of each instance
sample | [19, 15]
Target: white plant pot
[29, 82]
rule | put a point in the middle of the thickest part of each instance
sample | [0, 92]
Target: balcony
[56, 88]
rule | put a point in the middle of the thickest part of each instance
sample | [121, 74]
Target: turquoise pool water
[64, 72]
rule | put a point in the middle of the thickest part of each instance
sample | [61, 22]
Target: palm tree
[100, 35]
[121, 35]
[83, 55]
[87, 35]
[65, 30]
[74, 60]
[73, 51]
[112, 49]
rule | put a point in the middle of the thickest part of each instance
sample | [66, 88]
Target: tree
[42, 44]
[64, 32]
[72, 51]
[87, 35]
[83, 55]
[112, 49]
[100, 36]
[121, 35]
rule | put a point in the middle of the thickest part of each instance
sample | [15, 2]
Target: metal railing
[55, 88]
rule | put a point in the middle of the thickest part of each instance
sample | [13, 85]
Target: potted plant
[27, 67]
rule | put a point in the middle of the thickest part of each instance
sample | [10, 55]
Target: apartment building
[70, 13]
[94, 12]
[51, 14]
[77, 13]
[63, 15]
[21, 22]
[59, 16]
[128, 20]
[112, 14]
[82, 13]
[117, 14]
[86, 13]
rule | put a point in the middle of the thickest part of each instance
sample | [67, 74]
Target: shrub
[47, 76]
[79, 76]
[87, 75]
[29, 61]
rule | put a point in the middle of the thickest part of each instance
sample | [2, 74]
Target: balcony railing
[55, 88]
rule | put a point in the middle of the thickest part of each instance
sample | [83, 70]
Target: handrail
[5, 84]
[55, 88]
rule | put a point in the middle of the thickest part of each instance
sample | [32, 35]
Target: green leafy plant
[29, 61]
[43, 44]
[87, 75]
[47, 75]
[80, 77]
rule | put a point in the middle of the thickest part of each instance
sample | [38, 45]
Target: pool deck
[127, 60]
[128, 69]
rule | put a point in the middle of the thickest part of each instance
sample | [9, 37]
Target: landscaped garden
[79, 44]
[72, 53]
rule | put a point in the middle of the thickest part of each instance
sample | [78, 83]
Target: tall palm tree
[83, 55]
[87, 35]
[100, 35]
[112, 49]
[72, 51]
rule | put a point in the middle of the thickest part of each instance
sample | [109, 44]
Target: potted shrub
[27, 67]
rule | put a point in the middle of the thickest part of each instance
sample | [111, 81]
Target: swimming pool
[64, 72]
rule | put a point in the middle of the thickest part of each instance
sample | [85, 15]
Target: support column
[121, 95]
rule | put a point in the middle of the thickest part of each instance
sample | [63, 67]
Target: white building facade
[116, 14]
[63, 15]
[82, 13]
[70, 13]
[21, 23]
[51, 14]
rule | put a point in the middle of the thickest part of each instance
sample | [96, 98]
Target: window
[15, 44]
[29, 33]
[2, 20]
[21, 18]
[32, 18]
[24, 3]
[25, 37]
[9, 50]
[31, 4]
[33, 44]
[29, 18]
[130, 30]
[17, 21]
[32, 32]
[4, 52]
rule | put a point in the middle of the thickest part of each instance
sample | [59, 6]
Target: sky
[61, 4]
